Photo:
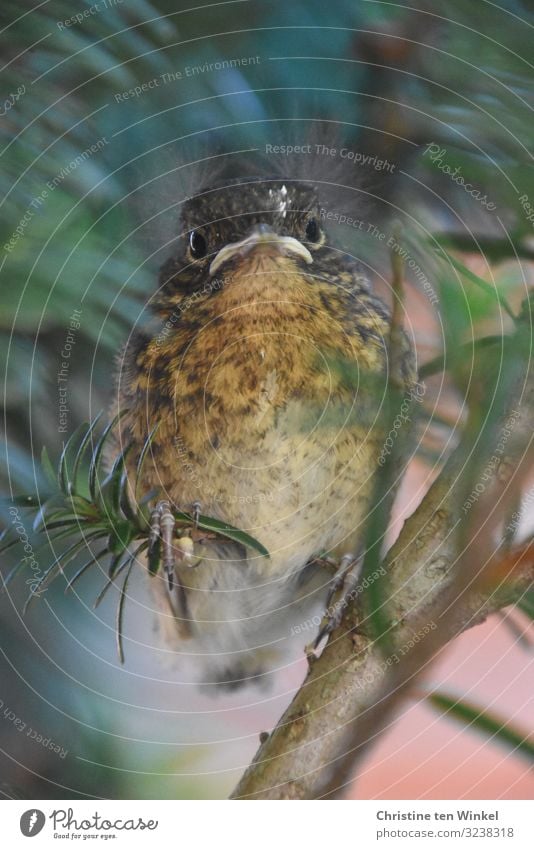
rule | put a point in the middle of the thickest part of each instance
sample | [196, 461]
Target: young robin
[266, 375]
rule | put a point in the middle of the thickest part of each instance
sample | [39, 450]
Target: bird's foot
[197, 508]
[345, 586]
[162, 526]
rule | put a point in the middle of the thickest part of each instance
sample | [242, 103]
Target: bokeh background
[93, 179]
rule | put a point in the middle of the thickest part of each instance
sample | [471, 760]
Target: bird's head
[271, 221]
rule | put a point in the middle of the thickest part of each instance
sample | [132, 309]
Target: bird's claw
[162, 525]
[345, 582]
[197, 507]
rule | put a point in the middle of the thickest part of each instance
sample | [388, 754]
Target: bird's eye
[197, 244]
[312, 230]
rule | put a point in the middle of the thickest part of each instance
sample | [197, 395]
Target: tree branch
[441, 579]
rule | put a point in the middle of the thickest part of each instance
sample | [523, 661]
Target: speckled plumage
[267, 379]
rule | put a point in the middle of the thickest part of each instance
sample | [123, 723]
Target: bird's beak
[262, 236]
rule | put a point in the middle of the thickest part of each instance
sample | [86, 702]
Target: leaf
[84, 508]
[66, 484]
[88, 533]
[120, 612]
[95, 558]
[478, 281]
[110, 490]
[110, 581]
[142, 457]
[56, 501]
[229, 532]
[494, 250]
[5, 542]
[63, 522]
[11, 574]
[526, 604]
[120, 537]
[82, 448]
[62, 560]
[108, 512]
[130, 558]
[439, 364]
[54, 570]
[115, 563]
[97, 453]
[154, 556]
[489, 724]
[125, 504]
[48, 469]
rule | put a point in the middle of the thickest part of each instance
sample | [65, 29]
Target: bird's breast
[273, 439]
[266, 413]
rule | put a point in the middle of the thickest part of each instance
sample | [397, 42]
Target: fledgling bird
[266, 376]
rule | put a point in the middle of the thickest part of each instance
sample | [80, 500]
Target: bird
[262, 380]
